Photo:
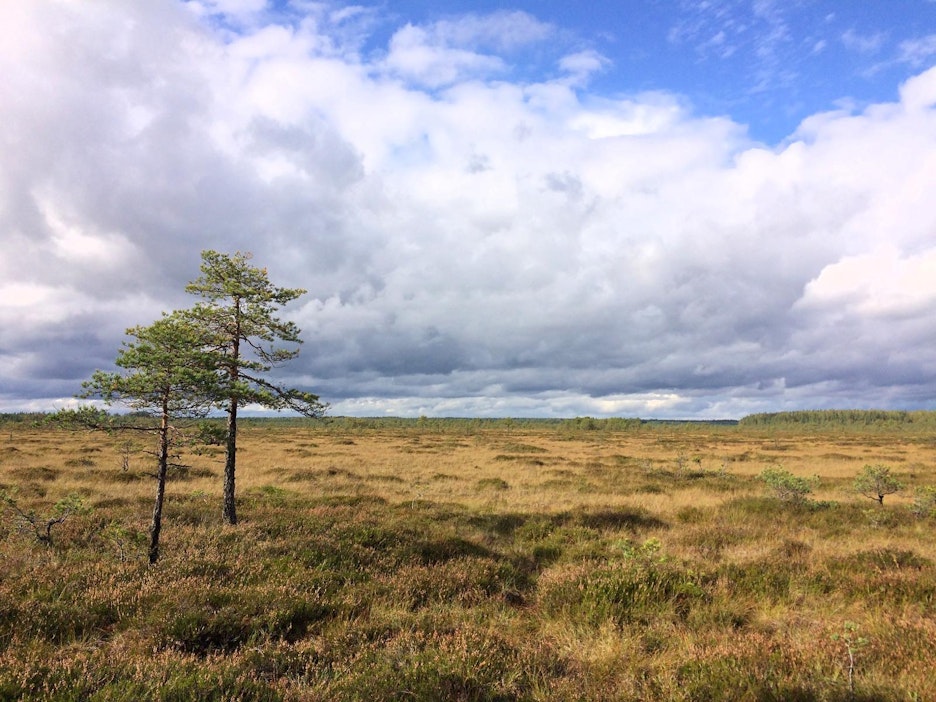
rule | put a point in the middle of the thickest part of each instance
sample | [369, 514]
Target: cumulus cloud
[878, 284]
[473, 242]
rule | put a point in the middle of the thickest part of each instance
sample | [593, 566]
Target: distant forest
[805, 419]
[841, 418]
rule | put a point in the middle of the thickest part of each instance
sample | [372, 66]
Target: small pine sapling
[786, 486]
[41, 526]
[875, 482]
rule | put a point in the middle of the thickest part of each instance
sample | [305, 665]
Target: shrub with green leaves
[875, 482]
[924, 502]
[786, 486]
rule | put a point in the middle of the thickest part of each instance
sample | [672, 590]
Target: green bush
[924, 502]
[786, 486]
[875, 482]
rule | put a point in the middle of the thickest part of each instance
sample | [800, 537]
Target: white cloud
[449, 51]
[880, 283]
[414, 57]
[648, 114]
[918, 51]
[501, 31]
[863, 43]
[472, 243]
[919, 93]
[582, 64]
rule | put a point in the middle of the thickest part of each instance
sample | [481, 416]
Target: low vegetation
[472, 560]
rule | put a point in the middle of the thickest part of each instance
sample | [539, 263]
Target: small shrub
[852, 642]
[924, 502]
[41, 527]
[126, 541]
[875, 482]
[535, 529]
[786, 486]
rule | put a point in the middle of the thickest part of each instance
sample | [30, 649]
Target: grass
[401, 562]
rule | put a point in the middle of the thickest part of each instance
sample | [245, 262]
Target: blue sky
[765, 64]
[661, 209]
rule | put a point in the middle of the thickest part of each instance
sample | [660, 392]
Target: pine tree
[238, 314]
[167, 375]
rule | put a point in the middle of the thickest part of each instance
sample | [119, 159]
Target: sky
[695, 209]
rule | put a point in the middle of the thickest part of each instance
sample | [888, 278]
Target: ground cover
[469, 560]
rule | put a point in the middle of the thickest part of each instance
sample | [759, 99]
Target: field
[471, 560]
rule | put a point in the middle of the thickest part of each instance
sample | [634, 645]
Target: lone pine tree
[238, 315]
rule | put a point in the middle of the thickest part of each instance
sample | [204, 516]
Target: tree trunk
[230, 511]
[156, 526]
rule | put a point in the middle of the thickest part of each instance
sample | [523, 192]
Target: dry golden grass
[462, 560]
[663, 469]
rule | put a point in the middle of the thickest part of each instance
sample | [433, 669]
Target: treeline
[23, 418]
[503, 423]
[607, 424]
[469, 424]
[572, 424]
[388, 423]
[841, 418]
[46, 420]
[803, 419]
[464, 423]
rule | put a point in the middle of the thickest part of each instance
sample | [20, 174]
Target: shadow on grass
[619, 520]
[507, 523]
